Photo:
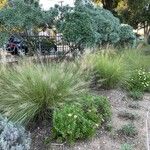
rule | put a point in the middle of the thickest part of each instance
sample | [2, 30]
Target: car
[16, 46]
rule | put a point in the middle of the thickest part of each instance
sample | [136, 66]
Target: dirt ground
[105, 140]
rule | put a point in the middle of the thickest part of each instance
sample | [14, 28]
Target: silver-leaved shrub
[12, 136]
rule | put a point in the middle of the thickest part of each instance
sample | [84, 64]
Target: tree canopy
[94, 26]
[133, 12]
[82, 26]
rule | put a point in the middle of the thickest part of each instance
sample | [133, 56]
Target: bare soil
[105, 140]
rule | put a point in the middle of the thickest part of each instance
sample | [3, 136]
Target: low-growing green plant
[107, 70]
[126, 147]
[128, 130]
[99, 103]
[139, 80]
[29, 91]
[13, 137]
[71, 123]
[128, 115]
[109, 127]
[135, 95]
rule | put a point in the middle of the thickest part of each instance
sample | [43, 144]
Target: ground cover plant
[128, 130]
[82, 118]
[128, 115]
[77, 124]
[126, 147]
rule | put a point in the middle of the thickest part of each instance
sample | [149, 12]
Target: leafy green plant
[71, 123]
[108, 70]
[30, 91]
[139, 80]
[126, 147]
[13, 136]
[99, 103]
[109, 127]
[128, 130]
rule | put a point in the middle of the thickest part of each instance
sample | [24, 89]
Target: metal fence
[47, 45]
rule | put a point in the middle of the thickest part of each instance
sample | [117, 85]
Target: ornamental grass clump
[29, 91]
[108, 71]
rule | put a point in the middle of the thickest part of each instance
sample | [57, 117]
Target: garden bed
[107, 140]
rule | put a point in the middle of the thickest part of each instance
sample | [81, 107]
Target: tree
[2, 3]
[87, 25]
[19, 17]
[136, 13]
[133, 12]
[108, 4]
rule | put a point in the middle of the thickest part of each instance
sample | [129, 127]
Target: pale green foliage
[136, 59]
[30, 90]
[13, 137]
[108, 71]
[126, 147]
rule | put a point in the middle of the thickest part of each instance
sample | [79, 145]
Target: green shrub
[127, 37]
[29, 91]
[13, 137]
[139, 80]
[126, 147]
[128, 130]
[108, 70]
[72, 123]
[99, 103]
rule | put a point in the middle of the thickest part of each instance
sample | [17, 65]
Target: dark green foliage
[71, 123]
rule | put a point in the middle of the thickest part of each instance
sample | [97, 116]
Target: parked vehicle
[16, 46]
